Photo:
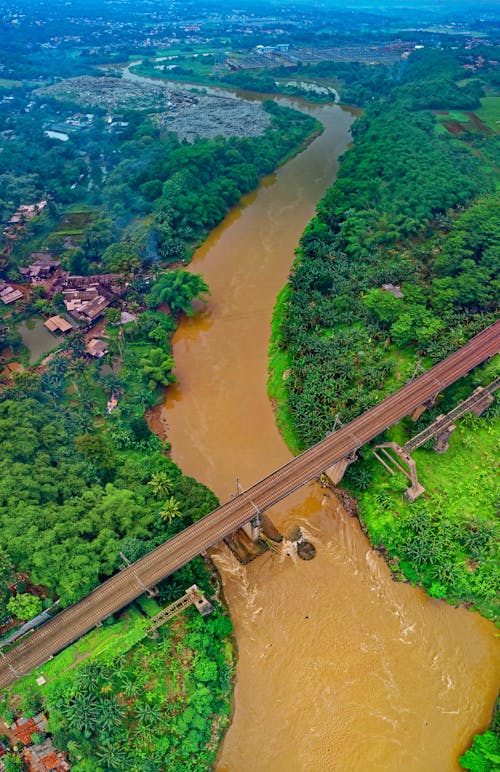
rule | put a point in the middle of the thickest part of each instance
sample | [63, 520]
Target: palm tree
[161, 484]
[170, 510]
[147, 713]
[113, 756]
[129, 687]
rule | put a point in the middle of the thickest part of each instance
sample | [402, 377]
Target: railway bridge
[336, 449]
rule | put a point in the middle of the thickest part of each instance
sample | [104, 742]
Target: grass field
[489, 112]
[8, 84]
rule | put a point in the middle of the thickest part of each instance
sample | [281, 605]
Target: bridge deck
[124, 587]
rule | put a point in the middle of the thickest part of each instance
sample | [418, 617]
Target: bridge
[124, 587]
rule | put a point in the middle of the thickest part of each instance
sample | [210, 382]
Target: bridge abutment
[336, 471]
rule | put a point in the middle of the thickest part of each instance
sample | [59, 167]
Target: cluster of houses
[24, 213]
[42, 267]
[38, 753]
[86, 297]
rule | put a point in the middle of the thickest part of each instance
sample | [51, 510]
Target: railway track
[124, 587]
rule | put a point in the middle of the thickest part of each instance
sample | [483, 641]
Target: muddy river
[340, 668]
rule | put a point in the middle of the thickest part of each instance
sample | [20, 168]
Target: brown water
[340, 668]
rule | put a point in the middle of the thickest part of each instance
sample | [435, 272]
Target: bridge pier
[442, 440]
[336, 471]
[253, 528]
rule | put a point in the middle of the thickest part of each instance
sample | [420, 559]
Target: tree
[161, 484]
[24, 606]
[484, 756]
[178, 289]
[157, 366]
[121, 258]
[98, 450]
[384, 306]
[170, 510]
[13, 763]
[5, 577]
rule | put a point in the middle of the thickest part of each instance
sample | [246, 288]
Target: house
[43, 266]
[97, 348]
[58, 324]
[43, 757]
[86, 304]
[393, 289]
[24, 728]
[9, 294]
[86, 297]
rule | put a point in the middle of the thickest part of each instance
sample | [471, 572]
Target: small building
[58, 324]
[86, 297]
[97, 348]
[43, 757]
[9, 294]
[43, 266]
[24, 728]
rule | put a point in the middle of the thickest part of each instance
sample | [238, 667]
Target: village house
[97, 348]
[86, 297]
[8, 294]
[42, 267]
[40, 756]
[58, 324]
[43, 757]
[24, 728]
[21, 215]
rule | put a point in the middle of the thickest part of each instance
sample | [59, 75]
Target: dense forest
[398, 215]
[135, 172]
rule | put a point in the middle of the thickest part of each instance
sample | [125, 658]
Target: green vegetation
[73, 494]
[489, 112]
[396, 217]
[484, 756]
[279, 370]
[119, 700]
[448, 539]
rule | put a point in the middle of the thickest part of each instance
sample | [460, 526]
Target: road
[124, 587]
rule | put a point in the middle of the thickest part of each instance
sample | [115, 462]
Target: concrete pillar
[336, 471]
[252, 528]
[441, 442]
[416, 489]
[201, 602]
[418, 412]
